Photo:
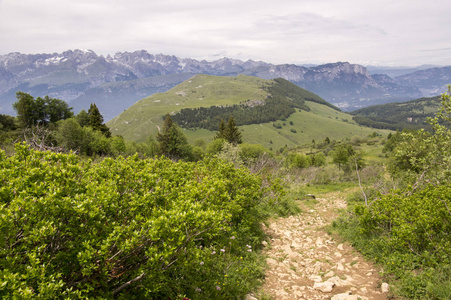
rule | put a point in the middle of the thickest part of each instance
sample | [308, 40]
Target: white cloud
[284, 31]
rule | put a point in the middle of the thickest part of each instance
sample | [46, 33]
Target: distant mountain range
[114, 83]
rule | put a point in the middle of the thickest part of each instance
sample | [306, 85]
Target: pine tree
[172, 142]
[232, 134]
[222, 131]
[96, 120]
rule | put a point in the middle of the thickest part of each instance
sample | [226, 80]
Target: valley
[115, 82]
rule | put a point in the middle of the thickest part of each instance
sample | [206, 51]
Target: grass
[145, 117]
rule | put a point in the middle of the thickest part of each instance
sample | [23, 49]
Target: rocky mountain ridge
[116, 81]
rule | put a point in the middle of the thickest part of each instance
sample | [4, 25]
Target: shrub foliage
[126, 228]
[407, 230]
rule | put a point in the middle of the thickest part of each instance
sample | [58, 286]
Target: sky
[366, 32]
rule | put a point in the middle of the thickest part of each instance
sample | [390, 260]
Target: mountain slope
[401, 115]
[116, 82]
[317, 121]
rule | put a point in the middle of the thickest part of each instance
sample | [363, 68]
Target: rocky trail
[305, 262]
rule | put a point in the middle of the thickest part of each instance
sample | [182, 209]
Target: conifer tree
[222, 131]
[232, 134]
[96, 120]
[172, 142]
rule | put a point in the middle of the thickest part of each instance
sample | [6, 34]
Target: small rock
[281, 293]
[265, 243]
[340, 267]
[348, 296]
[338, 254]
[325, 287]
[271, 261]
[330, 274]
[344, 296]
[338, 281]
[385, 287]
[316, 278]
[340, 247]
[250, 297]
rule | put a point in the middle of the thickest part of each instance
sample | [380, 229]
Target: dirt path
[307, 263]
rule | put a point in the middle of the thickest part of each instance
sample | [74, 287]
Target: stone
[344, 296]
[325, 287]
[329, 274]
[338, 254]
[340, 247]
[338, 281]
[348, 296]
[250, 297]
[271, 261]
[316, 278]
[385, 287]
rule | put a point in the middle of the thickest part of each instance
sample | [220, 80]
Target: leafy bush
[409, 236]
[249, 153]
[407, 230]
[126, 228]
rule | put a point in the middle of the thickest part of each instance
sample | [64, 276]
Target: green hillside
[400, 115]
[311, 117]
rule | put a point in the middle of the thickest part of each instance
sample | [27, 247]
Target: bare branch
[360, 183]
[128, 283]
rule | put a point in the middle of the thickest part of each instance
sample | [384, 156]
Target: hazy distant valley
[116, 82]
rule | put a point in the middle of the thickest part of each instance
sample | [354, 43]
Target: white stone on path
[347, 296]
[325, 287]
[316, 278]
[385, 287]
[330, 274]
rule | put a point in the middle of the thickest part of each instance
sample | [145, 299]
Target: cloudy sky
[382, 32]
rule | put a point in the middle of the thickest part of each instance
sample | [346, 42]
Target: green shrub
[249, 153]
[126, 228]
[408, 235]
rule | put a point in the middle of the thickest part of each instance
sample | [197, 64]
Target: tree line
[282, 101]
[412, 115]
[49, 124]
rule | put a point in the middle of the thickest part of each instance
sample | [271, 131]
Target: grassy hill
[397, 116]
[316, 120]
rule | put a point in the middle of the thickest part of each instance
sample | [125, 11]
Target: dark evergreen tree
[232, 133]
[96, 120]
[172, 142]
[222, 131]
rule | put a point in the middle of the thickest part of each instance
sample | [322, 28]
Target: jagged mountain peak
[73, 74]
